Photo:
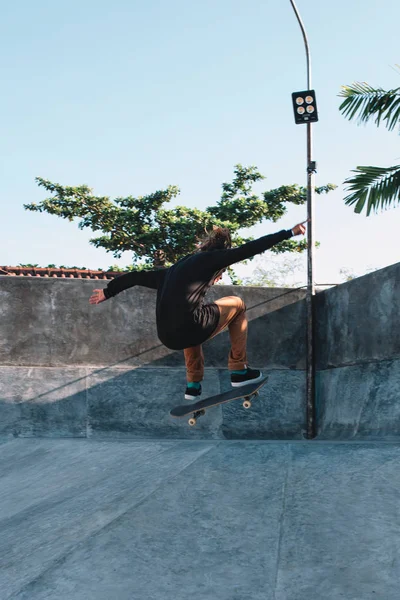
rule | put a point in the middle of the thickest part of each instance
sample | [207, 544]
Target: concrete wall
[71, 369]
[358, 358]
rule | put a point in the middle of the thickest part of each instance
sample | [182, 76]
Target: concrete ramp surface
[231, 520]
[103, 496]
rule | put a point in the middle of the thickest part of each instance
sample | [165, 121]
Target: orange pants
[232, 316]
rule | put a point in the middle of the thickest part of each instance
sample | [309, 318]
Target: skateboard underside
[198, 409]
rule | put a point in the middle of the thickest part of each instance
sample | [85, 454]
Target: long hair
[218, 239]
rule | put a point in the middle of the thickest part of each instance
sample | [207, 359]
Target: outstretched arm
[150, 279]
[221, 259]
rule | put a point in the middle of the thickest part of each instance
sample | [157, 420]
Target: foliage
[235, 279]
[28, 266]
[276, 273]
[157, 235]
[375, 188]
[349, 274]
[365, 102]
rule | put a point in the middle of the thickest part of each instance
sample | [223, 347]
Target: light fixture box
[305, 107]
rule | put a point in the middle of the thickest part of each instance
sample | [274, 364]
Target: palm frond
[366, 102]
[376, 187]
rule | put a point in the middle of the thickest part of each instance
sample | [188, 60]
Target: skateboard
[198, 409]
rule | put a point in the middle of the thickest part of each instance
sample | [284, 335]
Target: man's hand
[299, 229]
[97, 297]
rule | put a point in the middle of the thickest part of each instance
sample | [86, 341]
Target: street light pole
[311, 169]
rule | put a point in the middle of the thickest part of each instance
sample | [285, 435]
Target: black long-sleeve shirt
[183, 318]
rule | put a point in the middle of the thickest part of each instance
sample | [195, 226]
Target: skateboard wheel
[246, 404]
[192, 422]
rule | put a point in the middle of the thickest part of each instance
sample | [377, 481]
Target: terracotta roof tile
[62, 273]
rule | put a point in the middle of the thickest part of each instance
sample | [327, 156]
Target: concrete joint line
[360, 363]
[281, 520]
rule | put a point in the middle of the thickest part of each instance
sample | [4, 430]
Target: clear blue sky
[129, 97]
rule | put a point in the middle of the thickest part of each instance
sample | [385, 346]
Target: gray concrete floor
[107, 520]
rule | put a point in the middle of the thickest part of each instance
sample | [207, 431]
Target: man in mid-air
[184, 319]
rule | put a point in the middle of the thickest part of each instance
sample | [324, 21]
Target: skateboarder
[184, 320]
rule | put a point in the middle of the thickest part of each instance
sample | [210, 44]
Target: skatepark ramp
[138, 505]
[68, 369]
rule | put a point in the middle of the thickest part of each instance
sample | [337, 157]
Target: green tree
[160, 236]
[372, 187]
[349, 274]
[276, 273]
[28, 266]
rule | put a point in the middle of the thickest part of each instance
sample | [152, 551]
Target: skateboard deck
[198, 409]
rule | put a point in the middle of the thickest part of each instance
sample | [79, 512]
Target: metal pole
[311, 429]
